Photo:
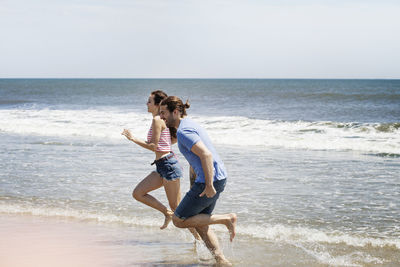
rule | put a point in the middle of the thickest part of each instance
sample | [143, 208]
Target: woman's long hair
[159, 96]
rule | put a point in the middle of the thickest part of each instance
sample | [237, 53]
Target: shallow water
[313, 184]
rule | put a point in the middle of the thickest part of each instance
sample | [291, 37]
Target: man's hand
[209, 191]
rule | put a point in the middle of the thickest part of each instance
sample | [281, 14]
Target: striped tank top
[164, 144]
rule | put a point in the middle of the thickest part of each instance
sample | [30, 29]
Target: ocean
[313, 164]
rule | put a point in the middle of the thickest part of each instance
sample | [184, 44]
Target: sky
[200, 39]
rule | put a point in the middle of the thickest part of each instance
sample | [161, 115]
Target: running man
[195, 210]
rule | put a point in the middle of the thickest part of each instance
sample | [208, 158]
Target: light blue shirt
[188, 134]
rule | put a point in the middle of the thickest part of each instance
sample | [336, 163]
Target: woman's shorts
[168, 167]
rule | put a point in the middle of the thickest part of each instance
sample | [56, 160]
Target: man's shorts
[192, 204]
[168, 167]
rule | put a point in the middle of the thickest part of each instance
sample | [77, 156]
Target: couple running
[169, 126]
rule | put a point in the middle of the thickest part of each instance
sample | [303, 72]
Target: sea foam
[377, 138]
[273, 233]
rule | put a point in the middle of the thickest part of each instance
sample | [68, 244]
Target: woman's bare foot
[167, 220]
[221, 261]
[231, 225]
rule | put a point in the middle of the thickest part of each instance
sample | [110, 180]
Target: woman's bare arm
[157, 126]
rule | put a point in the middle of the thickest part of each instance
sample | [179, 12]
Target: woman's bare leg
[173, 192]
[152, 182]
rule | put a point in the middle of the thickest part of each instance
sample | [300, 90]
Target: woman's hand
[128, 134]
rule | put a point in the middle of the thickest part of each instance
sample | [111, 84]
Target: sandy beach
[58, 241]
[37, 241]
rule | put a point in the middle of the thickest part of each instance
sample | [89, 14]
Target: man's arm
[207, 164]
[192, 176]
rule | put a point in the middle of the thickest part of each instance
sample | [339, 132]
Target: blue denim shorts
[192, 204]
[169, 168]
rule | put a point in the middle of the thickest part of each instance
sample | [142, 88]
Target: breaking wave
[377, 138]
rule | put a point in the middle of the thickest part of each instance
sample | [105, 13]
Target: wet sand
[37, 241]
[59, 241]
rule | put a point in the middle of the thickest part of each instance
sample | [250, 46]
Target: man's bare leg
[199, 220]
[211, 242]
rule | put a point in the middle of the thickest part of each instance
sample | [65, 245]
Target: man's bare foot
[221, 261]
[231, 225]
[167, 220]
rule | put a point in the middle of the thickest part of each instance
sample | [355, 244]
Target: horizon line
[176, 78]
